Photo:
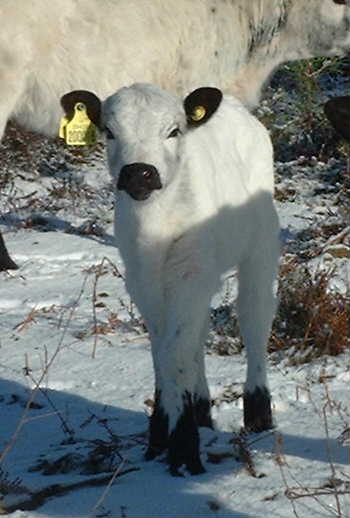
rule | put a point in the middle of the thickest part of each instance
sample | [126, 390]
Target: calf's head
[144, 128]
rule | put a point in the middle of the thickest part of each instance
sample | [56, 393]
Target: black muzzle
[139, 180]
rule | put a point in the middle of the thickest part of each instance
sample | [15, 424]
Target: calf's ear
[201, 104]
[89, 99]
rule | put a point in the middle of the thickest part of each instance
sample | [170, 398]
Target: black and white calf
[194, 188]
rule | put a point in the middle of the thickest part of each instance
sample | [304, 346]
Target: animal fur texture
[193, 200]
[48, 48]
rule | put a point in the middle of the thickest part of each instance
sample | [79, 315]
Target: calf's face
[145, 128]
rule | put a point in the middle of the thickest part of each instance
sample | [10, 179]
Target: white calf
[194, 198]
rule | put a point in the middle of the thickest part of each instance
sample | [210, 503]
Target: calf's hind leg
[256, 309]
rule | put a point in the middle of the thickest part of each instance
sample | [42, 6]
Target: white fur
[50, 47]
[215, 210]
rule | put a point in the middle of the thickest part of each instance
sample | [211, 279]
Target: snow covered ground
[76, 379]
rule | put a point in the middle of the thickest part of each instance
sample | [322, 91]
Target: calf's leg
[202, 395]
[178, 362]
[11, 87]
[6, 263]
[256, 309]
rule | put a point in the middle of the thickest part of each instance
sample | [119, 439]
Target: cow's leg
[176, 357]
[173, 423]
[159, 421]
[10, 90]
[256, 308]
[178, 395]
[202, 395]
[6, 263]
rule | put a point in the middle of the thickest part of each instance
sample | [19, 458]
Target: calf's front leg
[202, 395]
[178, 361]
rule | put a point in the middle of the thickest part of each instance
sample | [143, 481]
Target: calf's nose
[139, 180]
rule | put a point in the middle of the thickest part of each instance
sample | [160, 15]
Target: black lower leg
[184, 441]
[6, 262]
[158, 430]
[257, 410]
[202, 410]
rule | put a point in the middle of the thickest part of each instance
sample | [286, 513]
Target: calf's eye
[174, 133]
[108, 133]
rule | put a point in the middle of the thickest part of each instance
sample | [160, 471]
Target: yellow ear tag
[63, 124]
[198, 113]
[79, 131]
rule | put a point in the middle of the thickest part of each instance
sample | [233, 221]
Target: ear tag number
[79, 131]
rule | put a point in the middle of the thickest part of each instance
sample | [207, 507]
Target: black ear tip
[201, 104]
[91, 101]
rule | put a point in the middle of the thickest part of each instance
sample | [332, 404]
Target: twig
[108, 487]
[300, 491]
[29, 318]
[36, 389]
[293, 493]
[279, 444]
[330, 460]
[244, 455]
[37, 498]
[98, 273]
[336, 239]
[67, 430]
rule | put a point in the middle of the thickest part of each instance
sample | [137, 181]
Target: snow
[75, 404]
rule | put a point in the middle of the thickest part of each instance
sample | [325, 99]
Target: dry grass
[336, 486]
[301, 128]
[311, 321]
[37, 154]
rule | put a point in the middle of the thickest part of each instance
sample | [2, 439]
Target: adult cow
[48, 48]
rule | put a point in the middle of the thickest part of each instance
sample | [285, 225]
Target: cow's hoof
[202, 410]
[184, 442]
[158, 430]
[257, 410]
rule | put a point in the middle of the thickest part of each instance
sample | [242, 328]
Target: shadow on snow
[59, 442]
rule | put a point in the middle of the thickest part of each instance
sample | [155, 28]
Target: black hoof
[194, 467]
[153, 452]
[203, 417]
[6, 262]
[158, 430]
[174, 472]
[257, 410]
[184, 442]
